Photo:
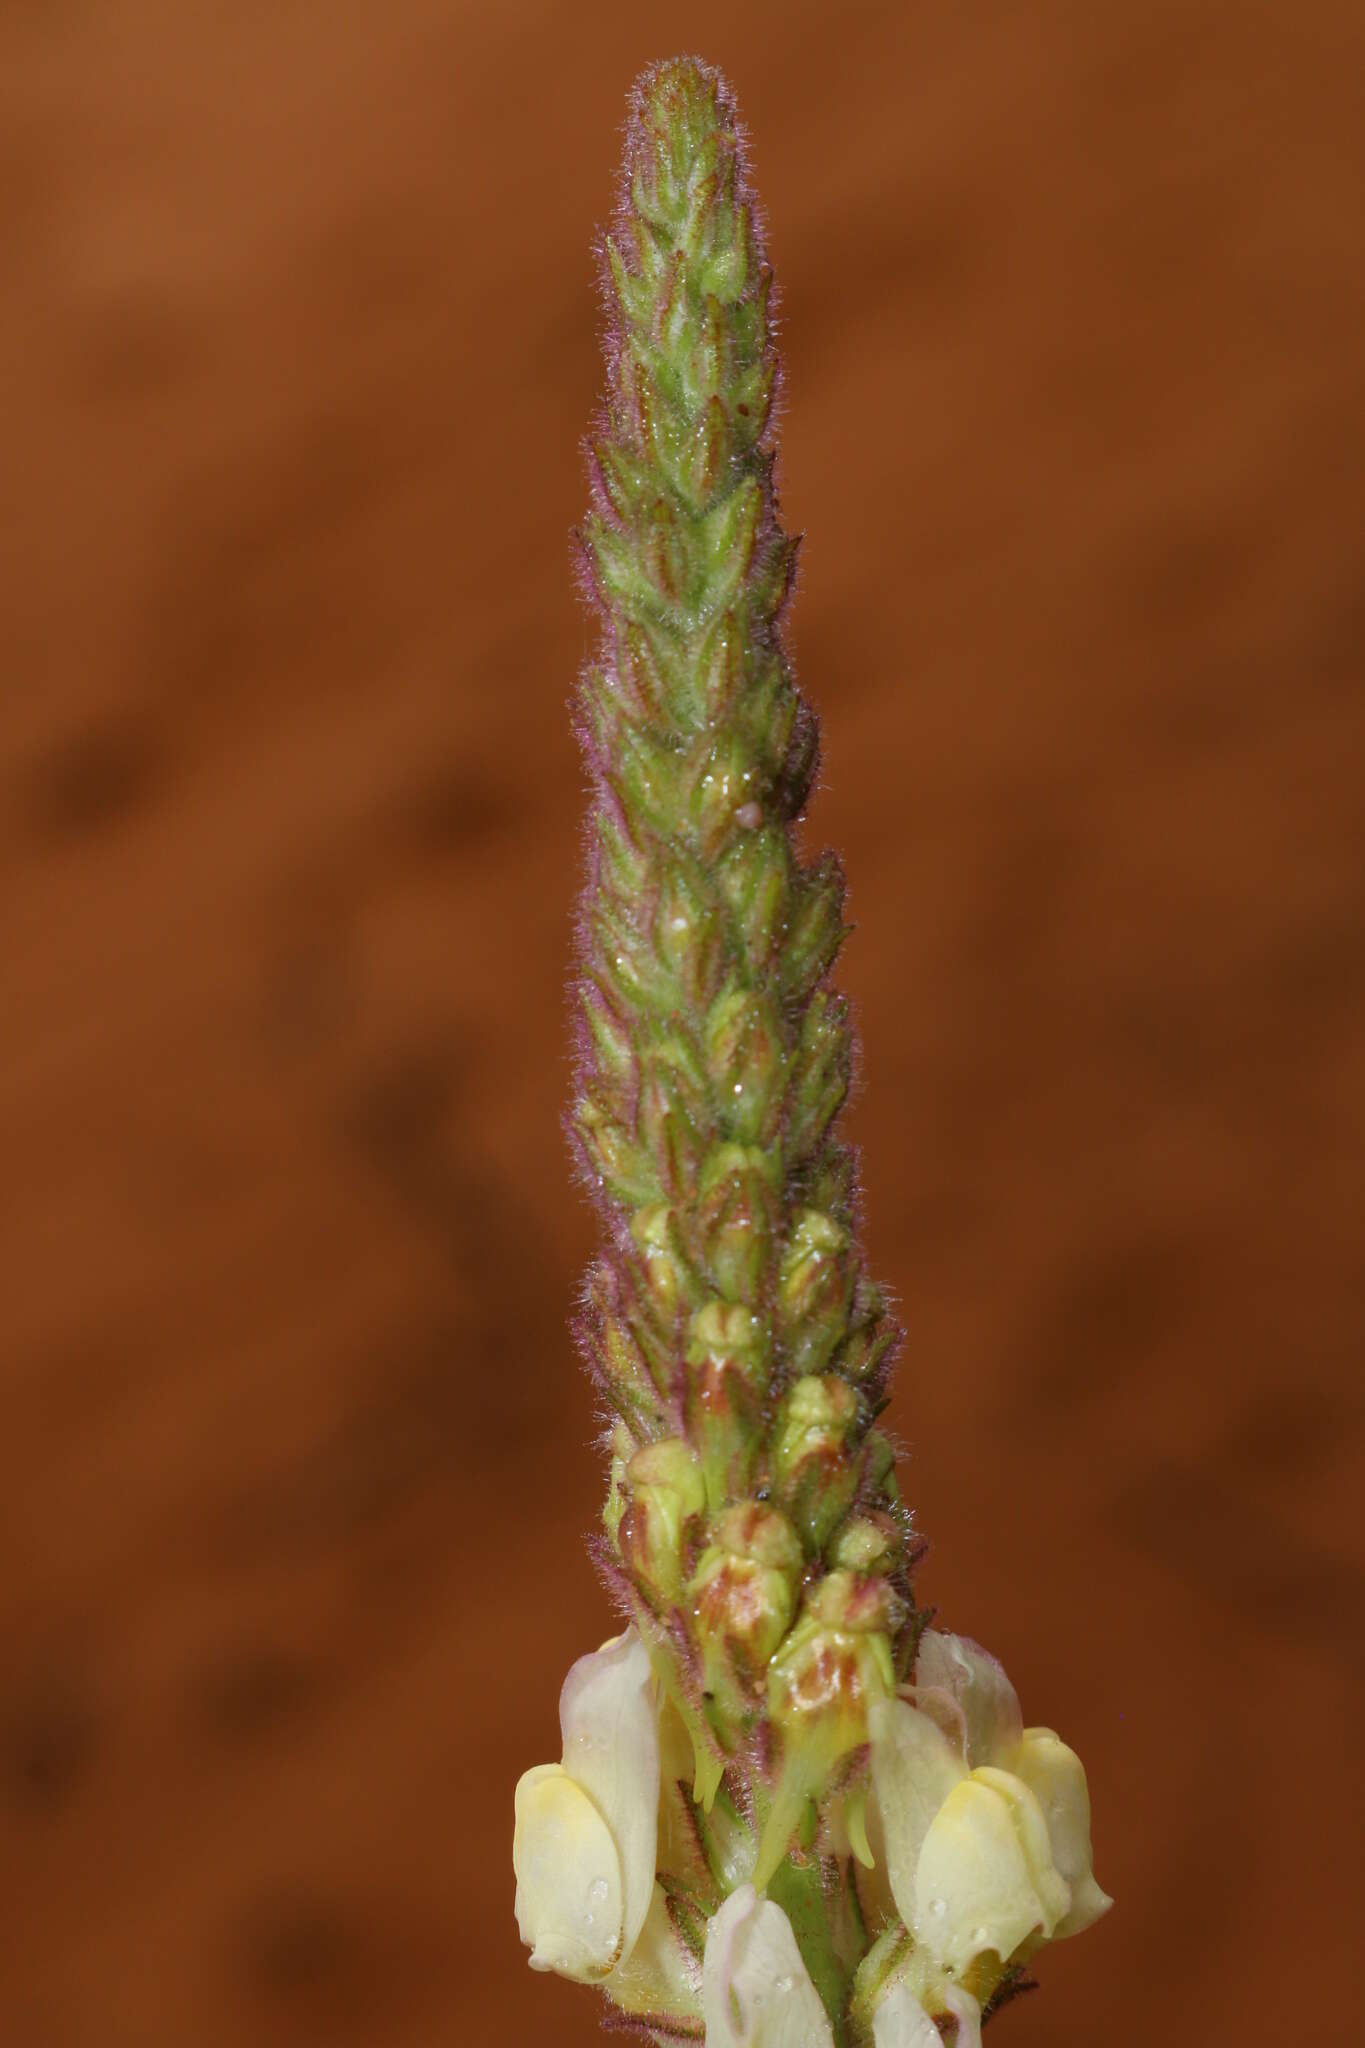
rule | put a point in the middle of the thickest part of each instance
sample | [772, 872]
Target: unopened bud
[879, 1466]
[755, 876]
[870, 1338]
[820, 1685]
[735, 1220]
[744, 1592]
[821, 1681]
[665, 1485]
[815, 1290]
[870, 1543]
[673, 1117]
[669, 1281]
[815, 1475]
[727, 1365]
[860, 1606]
[744, 1056]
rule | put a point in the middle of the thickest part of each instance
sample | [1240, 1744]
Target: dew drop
[782, 1986]
[597, 1891]
[938, 1907]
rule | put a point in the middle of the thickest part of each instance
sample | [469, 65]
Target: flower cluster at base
[971, 1849]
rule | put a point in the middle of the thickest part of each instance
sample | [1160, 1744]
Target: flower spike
[786, 1812]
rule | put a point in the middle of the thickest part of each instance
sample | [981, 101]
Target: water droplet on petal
[938, 1907]
[597, 1890]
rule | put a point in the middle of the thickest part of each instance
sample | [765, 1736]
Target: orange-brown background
[297, 335]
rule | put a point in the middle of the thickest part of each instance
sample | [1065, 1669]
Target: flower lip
[569, 1891]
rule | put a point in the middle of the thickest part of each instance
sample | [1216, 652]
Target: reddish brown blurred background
[297, 336]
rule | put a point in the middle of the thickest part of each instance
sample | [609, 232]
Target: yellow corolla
[986, 1824]
[584, 1844]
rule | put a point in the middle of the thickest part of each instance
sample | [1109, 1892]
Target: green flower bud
[821, 1072]
[755, 877]
[614, 1348]
[743, 1595]
[820, 1685]
[671, 1285]
[869, 1543]
[816, 930]
[821, 1681]
[815, 1288]
[878, 1462]
[736, 1219]
[689, 937]
[815, 1476]
[859, 1605]
[727, 1359]
[870, 1338]
[674, 1113]
[665, 1485]
[744, 1056]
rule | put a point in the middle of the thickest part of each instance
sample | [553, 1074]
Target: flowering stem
[757, 1832]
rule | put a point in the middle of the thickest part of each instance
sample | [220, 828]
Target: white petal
[967, 2013]
[1056, 1777]
[756, 1990]
[610, 1724]
[661, 1977]
[914, 1768]
[569, 1893]
[977, 1683]
[900, 2021]
[974, 1888]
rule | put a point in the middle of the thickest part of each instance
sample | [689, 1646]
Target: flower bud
[815, 929]
[744, 1057]
[820, 1081]
[815, 1476]
[860, 1606]
[735, 1220]
[870, 1542]
[727, 1356]
[815, 1288]
[673, 1118]
[755, 875]
[743, 1593]
[668, 1280]
[688, 936]
[820, 1686]
[615, 1354]
[665, 1485]
[870, 1338]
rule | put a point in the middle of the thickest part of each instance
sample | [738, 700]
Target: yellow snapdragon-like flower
[986, 1823]
[584, 1844]
[758, 1993]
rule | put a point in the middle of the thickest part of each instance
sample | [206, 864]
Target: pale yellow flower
[586, 1827]
[986, 1824]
